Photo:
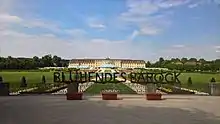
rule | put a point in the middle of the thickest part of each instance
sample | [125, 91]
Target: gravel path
[133, 109]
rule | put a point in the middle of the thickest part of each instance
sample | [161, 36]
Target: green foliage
[189, 82]
[23, 82]
[1, 79]
[212, 80]
[32, 63]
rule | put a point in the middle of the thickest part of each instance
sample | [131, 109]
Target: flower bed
[175, 90]
[74, 96]
[154, 96]
[44, 89]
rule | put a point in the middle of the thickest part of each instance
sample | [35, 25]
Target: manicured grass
[31, 77]
[35, 77]
[97, 88]
[198, 77]
[199, 81]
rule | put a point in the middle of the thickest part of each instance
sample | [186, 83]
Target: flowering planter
[109, 96]
[74, 96]
[154, 96]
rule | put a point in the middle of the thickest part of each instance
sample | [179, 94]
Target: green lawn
[35, 77]
[31, 77]
[198, 77]
[97, 88]
[200, 81]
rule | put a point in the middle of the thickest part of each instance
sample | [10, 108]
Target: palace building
[106, 63]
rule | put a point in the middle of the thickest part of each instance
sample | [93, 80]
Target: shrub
[212, 80]
[43, 79]
[23, 82]
[1, 79]
[189, 81]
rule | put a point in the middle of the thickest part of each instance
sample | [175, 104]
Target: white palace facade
[96, 63]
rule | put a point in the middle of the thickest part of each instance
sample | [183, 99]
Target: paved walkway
[133, 109]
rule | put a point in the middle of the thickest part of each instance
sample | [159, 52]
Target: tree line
[32, 63]
[185, 64]
[191, 64]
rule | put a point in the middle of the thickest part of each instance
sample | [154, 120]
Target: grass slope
[97, 88]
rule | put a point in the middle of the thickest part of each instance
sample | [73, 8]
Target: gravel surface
[133, 109]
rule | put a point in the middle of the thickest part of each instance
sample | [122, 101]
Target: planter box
[109, 96]
[154, 96]
[4, 89]
[74, 96]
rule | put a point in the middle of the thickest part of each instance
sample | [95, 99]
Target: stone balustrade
[138, 88]
[81, 88]
[24, 90]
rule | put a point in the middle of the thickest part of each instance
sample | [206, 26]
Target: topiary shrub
[189, 82]
[43, 79]
[23, 82]
[1, 79]
[212, 80]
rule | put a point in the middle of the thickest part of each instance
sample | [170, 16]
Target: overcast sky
[134, 29]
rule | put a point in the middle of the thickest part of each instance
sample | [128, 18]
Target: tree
[56, 61]
[202, 61]
[148, 64]
[174, 60]
[189, 82]
[36, 62]
[47, 61]
[184, 60]
[171, 66]
[161, 62]
[161, 59]
[193, 60]
[23, 82]
[43, 79]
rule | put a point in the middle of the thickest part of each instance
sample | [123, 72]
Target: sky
[128, 29]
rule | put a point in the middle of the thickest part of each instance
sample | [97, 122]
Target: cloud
[7, 5]
[197, 3]
[11, 33]
[100, 26]
[7, 22]
[147, 16]
[76, 32]
[26, 45]
[172, 3]
[149, 30]
[193, 5]
[134, 34]
[190, 51]
[6, 18]
[217, 47]
[39, 45]
[41, 23]
[151, 17]
[96, 23]
[178, 46]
